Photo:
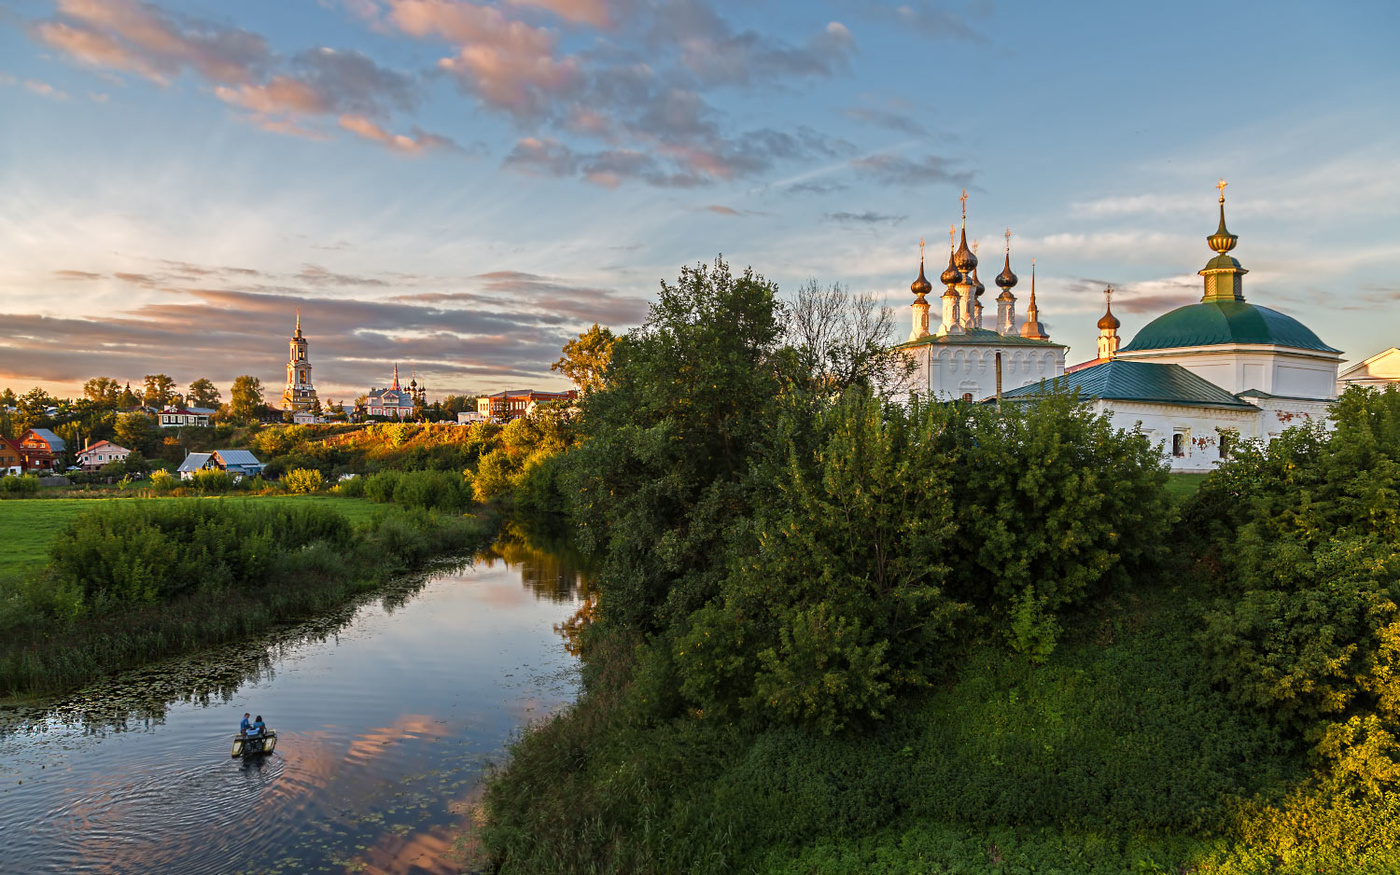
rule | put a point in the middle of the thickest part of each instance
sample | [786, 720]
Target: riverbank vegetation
[835, 633]
[131, 581]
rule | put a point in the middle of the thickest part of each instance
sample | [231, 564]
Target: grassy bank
[1113, 756]
[27, 528]
[131, 581]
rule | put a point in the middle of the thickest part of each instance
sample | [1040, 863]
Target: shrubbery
[432, 490]
[19, 487]
[301, 481]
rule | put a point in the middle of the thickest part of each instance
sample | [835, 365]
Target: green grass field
[27, 526]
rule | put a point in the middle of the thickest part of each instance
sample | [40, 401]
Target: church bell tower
[299, 394]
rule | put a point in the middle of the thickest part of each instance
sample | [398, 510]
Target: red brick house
[515, 403]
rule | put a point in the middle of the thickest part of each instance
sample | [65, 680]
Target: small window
[1178, 444]
[1224, 446]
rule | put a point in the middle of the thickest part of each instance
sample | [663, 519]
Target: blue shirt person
[243, 726]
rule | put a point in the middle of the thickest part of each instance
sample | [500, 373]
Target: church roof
[1214, 323]
[1147, 382]
[979, 337]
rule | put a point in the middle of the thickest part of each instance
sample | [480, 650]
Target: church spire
[395, 387]
[1032, 329]
[298, 322]
[1223, 274]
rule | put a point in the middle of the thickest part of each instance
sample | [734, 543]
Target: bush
[20, 487]
[134, 553]
[163, 481]
[302, 481]
[212, 480]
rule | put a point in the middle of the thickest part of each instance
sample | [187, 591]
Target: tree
[34, 408]
[204, 393]
[7, 398]
[103, 390]
[137, 431]
[160, 389]
[840, 339]
[129, 398]
[585, 359]
[245, 398]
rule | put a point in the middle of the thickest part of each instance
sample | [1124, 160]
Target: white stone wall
[950, 371]
[1198, 429]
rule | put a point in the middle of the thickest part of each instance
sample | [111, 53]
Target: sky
[460, 187]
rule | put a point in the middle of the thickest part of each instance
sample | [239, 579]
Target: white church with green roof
[1205, 375]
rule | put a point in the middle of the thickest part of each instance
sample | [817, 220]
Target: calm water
[386, 718]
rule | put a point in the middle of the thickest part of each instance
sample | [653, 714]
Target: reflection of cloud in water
[409, 727]
[438, 849]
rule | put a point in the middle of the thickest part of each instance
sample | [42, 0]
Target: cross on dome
[1221, 185]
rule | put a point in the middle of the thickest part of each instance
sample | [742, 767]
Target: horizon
[460, 188]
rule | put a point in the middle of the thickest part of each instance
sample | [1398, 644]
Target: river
[387, 717]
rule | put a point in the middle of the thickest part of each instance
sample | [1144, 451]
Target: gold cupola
[1223, 274]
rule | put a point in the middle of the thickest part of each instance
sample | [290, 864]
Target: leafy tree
[203, 393]
[34, 408]
[585, 359]
[129, 398]
[160, 390]
[667, 438]
[8, 399]
[245, 398]
[301, 481]
[103, 390]
[137, 431]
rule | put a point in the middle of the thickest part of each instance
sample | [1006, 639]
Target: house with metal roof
[42, 449]
[1205, 375]
[240, 463]
[193, 462]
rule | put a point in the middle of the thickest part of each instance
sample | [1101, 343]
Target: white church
[1194, 380]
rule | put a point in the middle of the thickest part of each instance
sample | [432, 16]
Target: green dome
[1219, 322]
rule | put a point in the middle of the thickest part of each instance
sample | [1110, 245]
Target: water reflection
[387, 714]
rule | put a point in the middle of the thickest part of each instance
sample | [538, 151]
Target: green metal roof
[1148, 382]
[1219, 322]
[979, 337]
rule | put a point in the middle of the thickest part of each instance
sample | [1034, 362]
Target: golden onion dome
[951, 276]
[1222, 241]
[1109, 322]
[976, 283]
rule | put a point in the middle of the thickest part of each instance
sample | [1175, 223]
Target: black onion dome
[977, 284]
[951, 276]
[1006, 279]
[963, 259]
[921, 286]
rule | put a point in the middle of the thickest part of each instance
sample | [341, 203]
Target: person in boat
[244, 724]
[258, 729]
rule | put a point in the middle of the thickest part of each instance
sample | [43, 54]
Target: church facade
[1204, 376]
[962, 359]
[300, 394]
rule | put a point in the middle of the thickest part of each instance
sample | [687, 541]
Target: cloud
[815, 186]
[895, 115]
[76, 275]
[888, 168]
[594, 12]
[143, 39]
[922, 17]
[866, 218]
[715, 54]
[542, 158]
[419, 142]
[44, 89]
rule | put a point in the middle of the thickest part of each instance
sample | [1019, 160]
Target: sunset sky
[459, 187]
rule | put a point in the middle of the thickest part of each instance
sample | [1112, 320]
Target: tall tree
[129, 398]
[585, 359]
[245, 398]
[137, 431]
[204, 393]
[103, 390]
[160, 389]
[34, 408]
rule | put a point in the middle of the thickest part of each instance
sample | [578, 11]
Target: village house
[42, 449]
[239, 463]
[95, 456]
[193, 462]
[11, 459]
[179, 417]
[1378, 371]
[515, 403]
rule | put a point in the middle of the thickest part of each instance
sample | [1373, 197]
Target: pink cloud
[94, 49]
[367, 128]
[282, 95]
[509, 64]
[594, 12]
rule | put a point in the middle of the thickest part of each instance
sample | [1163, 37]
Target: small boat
[243, 746]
